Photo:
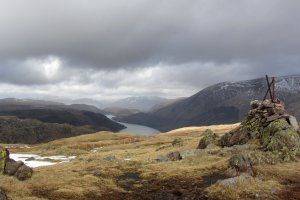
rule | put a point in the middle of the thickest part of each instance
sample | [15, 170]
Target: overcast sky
[109, 49]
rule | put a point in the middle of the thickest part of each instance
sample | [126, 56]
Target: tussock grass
[252, 188]
[92, 176]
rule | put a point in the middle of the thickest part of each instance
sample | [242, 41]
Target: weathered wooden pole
[269, 89]
[273, 89]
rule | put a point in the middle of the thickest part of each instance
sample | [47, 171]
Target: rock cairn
[268, 111]
[11, 167]
[270, 127]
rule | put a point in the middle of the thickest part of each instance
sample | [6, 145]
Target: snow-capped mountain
[226, 102]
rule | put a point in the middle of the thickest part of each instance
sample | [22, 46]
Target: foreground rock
[172, 156]
[270, 127]
[11, 167]
[239, 165]
[208, 138]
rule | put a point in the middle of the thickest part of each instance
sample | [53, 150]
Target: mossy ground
[135, 174]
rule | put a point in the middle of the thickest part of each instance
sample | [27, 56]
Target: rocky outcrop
[208, 138]
[11, 167]
[270, 127]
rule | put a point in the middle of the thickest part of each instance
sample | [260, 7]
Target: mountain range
[222, 103]
[141, 103]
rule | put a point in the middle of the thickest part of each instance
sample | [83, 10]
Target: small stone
[161, 158]
[293, 122]
[255, 104]
[110, 158]
[30, 159]
[271, 111]
[268, 104]
[174, 156]
[97, 173]
[241, 164]
[231, 182]
[273, 118]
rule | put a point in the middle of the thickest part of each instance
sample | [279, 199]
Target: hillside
[30, 131]
[121, 166]
[72, 117]
[11, 104]
[226, 102]
[42, 121]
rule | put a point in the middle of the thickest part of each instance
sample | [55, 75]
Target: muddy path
[159, 188]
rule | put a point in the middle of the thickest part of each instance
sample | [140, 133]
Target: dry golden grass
[253, 188]
[92, 176]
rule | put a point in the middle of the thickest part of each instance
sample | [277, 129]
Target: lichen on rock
[269, 126]
[209, 137]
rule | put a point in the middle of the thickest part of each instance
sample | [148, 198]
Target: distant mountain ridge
[32, 121]
[222, 103]
[142, 103]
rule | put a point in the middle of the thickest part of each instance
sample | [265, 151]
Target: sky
[111, 49]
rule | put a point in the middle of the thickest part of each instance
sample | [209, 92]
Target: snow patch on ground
[33, 160]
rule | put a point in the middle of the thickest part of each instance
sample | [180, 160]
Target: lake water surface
[135, 128]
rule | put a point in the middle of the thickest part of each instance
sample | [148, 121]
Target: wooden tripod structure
[271, 89]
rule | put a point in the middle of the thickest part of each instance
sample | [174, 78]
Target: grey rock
[174, 156]
[30, 159]
[254, 104]
[12, 167]
[273, 118]
[231, 182]
[241, 164]
[161, 158]
[294, 123]
[110, 158]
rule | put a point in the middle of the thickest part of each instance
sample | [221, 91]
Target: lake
[135, 128]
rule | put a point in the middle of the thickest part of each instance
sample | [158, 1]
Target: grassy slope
[90, 176]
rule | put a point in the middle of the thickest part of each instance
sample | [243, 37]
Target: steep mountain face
[222, 103]
[142, 103]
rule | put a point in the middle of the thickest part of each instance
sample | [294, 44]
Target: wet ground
[176, 188]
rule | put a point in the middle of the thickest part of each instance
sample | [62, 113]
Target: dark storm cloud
[145, 46]
[133, 33]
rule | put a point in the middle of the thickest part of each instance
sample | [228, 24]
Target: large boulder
[209, 137]
[237, 136]
[282, 139]
[24, 172]
[12, 167]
